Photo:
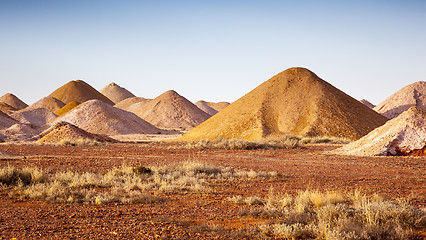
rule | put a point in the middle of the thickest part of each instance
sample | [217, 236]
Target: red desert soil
[184, 215]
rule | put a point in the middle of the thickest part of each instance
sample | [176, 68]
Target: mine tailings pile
[295, 102]
[399, 102]
[404, 135]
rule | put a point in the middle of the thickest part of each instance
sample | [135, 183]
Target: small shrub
[79, 142]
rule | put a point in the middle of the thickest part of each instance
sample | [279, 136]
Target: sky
[210, 50]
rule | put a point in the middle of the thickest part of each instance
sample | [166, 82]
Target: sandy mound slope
[410, 95]
[116, 93]
[172, 111]
[403, 135]
[36, 117]
[203, 106]
[217, 106]
[6, 121]
[132, 103]
[296, 102]
[50, 103]
[13, 101]
[78, 91]
[67, 108]
[4, 107]
[367, 103]
[65, 130]
[19, 131]
[98, 117]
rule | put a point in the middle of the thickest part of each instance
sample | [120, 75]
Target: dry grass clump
[118, 185]
[328, 140]
[80, 142]
[10, 176]
[332, 215]
[288, 142]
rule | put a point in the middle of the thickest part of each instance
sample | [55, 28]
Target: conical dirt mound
[67, 131]
[13, 101]
[6, 121]
[36, 117]
[296, 102]
[98, 117]
[4, 107]
[403, 135]
[78, 91]
[116, 93]
[217, 106]
[410, 95]
[67, 108]
[367, 103]
[203, 106]
[127, 104]
[50, 103]
[172, 111]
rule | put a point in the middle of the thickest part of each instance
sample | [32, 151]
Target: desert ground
[206, 213]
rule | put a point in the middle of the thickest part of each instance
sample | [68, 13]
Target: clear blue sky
[211, 50]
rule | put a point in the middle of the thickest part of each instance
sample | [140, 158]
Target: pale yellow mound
[295, 102]
[78, 91]
[116, 93]
[13, 101]
[127, 104]
[403, 135]
[50, 103]
[171, 111]
[203, 106]
[67, 131]
[410, 95]
[67, 108]
[217, 106]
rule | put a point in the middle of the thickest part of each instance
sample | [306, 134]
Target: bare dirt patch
[192, 214]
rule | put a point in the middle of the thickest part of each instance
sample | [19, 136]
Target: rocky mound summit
[206, 108]
[50, 103]
[295, 102]
[67, 131]
[116, 93]
[172, 111]
[97, 117]
[403, 135]
[399, 102]
[13, 101]
[78, 91]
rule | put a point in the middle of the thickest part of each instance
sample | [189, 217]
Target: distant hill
[78, 91]
[116, 93]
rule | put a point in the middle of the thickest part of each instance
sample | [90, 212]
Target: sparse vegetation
[331, 215]
[284, 142]
[124, 184]
[238, 144]
[80, 142]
